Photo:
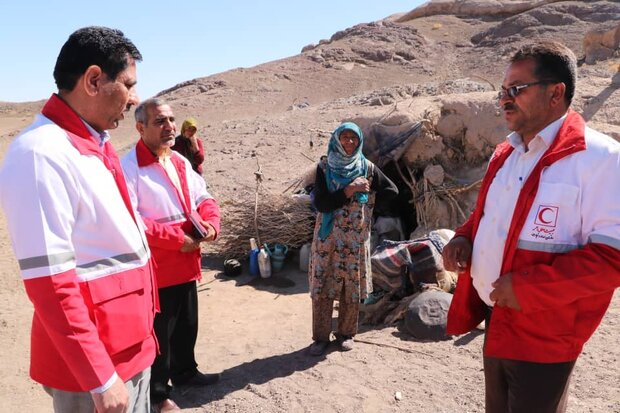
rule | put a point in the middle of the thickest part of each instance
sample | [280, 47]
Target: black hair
[554, 62]
[107, 48]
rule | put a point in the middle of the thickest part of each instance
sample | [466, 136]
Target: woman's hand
[194, 142]
[359, 184]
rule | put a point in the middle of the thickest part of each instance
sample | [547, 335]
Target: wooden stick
[307, 157]
[408, 350]
[259, 177]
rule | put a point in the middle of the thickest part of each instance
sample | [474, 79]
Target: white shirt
[165, 161]
[499, 207]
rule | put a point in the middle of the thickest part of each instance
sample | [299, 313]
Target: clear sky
[179, 40]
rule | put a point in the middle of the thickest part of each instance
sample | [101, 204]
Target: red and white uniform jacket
[563, 249]
[83, 257]
[164, 211]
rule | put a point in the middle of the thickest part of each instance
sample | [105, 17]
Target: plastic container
[264, 263]
[254, 269]
[304, 257]
[277, 254]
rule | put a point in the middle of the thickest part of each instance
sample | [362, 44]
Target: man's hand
[113, 400]
[359, 184]
[456, 254]
[210, 231]
[189, 244]
[504, 295]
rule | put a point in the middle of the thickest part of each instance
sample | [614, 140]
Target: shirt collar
[103, 137]
[545, 136]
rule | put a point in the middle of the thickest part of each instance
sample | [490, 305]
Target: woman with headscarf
[345, 188]
[189, 145]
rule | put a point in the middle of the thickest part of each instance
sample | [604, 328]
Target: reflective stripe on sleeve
[112, 262]
[46, 260]
[174, 218]
[203, 198]
[546, 247]
[604, 239]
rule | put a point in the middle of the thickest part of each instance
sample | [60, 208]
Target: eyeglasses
[513, 91]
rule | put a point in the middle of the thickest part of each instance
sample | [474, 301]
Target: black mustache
[509, 106]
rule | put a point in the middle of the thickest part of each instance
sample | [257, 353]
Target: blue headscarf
[342, 169]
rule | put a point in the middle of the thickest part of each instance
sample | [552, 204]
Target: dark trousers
[176, 328]
[514, 386]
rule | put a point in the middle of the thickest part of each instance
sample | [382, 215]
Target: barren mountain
[440, 64]
[382, 70]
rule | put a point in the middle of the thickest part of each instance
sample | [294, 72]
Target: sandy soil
[257, 332]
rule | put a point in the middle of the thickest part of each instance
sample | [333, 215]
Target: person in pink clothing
[81, 250]
[166, 192]
[539, 257]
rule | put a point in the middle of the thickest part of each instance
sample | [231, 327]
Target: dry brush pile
[270, 218]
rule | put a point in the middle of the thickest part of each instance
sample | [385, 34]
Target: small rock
[434, 174]
[398, 396]
[308, 47]
[317, 58]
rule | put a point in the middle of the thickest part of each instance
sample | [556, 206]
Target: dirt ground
[257, 331]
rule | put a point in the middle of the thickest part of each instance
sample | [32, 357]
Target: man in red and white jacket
[540, 255]
[83, 255]
[165, 190]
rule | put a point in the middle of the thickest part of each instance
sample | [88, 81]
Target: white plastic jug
[304, 257]
[264, 263]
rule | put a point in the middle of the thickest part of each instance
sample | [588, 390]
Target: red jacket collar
[569, 139]
[65, 117]
[59, 112]
[144, 155]
[145, 158]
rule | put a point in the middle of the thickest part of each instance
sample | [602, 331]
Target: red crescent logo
[541, 215]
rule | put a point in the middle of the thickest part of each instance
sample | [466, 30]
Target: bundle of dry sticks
[270, 218]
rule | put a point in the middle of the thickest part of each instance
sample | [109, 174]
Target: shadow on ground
[404, 335]
[289, 280]
[595, 103]
[468, 338]
[245, 375]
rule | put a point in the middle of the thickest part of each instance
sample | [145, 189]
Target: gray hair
[140, 113]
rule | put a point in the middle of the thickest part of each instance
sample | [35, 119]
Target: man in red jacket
[166, 192]
[82, 253]
[539, 257]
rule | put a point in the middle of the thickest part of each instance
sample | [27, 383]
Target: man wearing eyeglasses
[539, 256]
